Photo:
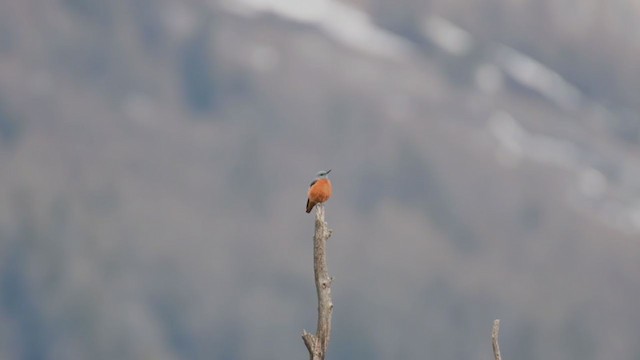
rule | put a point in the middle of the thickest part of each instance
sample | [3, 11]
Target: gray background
[155, 157]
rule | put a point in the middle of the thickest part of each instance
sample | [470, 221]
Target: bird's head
[323, 173]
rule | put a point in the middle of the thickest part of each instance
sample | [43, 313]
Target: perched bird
[319, 190]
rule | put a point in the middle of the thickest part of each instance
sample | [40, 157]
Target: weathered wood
[494, 339]
[318, 343]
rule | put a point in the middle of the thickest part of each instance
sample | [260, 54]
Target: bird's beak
[328, 171]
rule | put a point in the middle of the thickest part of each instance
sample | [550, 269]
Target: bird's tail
[310, 206]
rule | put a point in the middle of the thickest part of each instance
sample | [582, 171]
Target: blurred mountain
[155, 156]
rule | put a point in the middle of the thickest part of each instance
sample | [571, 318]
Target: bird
[319, 190]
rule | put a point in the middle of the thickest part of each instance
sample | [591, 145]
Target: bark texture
[318, 343]
[494, 339]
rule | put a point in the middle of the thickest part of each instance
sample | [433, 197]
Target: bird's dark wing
[313, 182]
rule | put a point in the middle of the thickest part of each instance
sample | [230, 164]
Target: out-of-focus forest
[155, 158]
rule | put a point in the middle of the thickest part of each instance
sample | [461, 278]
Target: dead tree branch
[318, 343]
[494, 339]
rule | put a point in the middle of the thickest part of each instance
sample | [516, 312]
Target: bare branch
[494, 339]
[317, 344]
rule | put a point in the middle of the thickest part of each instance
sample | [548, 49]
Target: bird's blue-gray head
[323, 173]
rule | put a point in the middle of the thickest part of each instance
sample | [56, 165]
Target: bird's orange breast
[320, 191]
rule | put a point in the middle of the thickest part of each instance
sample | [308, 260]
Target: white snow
[447, 35]
[342, 22]
[615, 201]
[521, 144]
[534, 75]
